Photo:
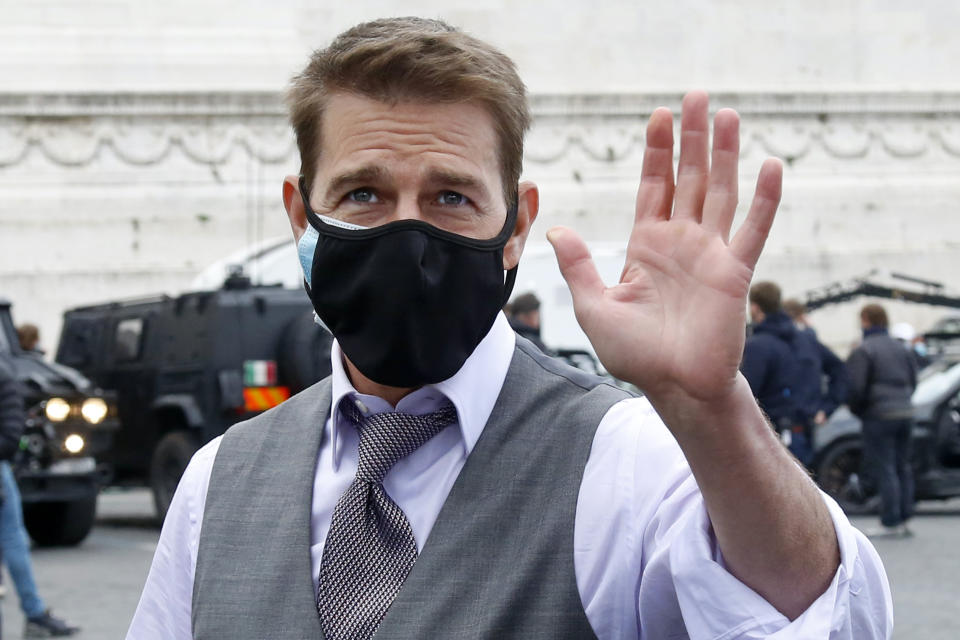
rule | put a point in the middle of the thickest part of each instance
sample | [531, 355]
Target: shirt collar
[473, 389]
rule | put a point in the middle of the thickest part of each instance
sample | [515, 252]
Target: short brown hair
[794, 308]
[410, 58]
[766, 295]
[525, 303]
[28, 335]
[875, 316]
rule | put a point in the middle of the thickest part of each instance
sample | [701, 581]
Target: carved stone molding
[143, 129]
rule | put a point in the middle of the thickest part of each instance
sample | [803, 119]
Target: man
[29, 337]
[823, 376]
[450, 481]
[524, 318]
[40, 622]
[883, 376]
[772, 368]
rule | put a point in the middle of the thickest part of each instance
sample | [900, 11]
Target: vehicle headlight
[94, 410]
[57, 409]
[74, 443]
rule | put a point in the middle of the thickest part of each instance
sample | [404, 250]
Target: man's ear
[528, 205]
[293, 203]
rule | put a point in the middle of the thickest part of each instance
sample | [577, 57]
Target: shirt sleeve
[856, 606]
[648, 564]
[166, 603]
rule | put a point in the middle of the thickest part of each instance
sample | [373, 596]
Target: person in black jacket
[40, 622]
[883, 376]
[772, 369]
[11, 417]
[11, 410]
[823, 375]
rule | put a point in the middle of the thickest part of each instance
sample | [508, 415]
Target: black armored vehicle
[69, 425]
[186, 368]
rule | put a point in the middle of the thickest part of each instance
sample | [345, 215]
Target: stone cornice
[167, 105]
[860, 103]
[143, 129]
[222, 104]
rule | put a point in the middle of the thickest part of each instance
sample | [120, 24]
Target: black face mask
[407, 302]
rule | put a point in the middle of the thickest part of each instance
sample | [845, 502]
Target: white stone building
[141, 141]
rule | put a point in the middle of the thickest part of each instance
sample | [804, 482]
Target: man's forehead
[348, 113]
[356, 126]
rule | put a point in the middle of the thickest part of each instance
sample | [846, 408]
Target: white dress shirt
[647, 564]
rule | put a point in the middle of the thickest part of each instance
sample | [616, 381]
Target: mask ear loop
[508, 283]
[307, 209]
[511, 277]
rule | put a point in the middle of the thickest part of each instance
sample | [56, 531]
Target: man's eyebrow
[355, 177]
[457, 180]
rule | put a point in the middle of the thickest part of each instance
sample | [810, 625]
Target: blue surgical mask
[307, 245]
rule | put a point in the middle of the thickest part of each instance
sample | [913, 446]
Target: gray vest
[498, 562]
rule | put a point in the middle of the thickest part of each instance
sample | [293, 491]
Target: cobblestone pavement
[97, 584]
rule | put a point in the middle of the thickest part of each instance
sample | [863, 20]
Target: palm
[676, 318]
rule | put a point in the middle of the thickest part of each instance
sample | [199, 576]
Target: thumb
[576, 265]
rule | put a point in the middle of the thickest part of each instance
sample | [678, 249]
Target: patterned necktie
[370, 547]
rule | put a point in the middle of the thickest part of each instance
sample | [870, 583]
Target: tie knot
[388, 437]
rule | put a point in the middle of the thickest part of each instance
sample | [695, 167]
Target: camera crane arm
[931, 293]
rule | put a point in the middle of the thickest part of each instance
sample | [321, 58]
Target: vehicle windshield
[936, 380]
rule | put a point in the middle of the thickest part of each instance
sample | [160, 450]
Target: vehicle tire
[170, 460]
[303, 356]
[839, 475]
[60, 523]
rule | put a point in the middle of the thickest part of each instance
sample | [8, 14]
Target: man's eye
[362, 195]
[451, 198]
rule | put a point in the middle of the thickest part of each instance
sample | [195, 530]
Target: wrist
[730, 423]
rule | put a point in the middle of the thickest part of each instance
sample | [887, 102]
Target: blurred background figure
[883, 376]
[907, 336]
[822, 386]
[773, 370]
[40, 622]
[798, 313]
[29, 338]
[524, 315]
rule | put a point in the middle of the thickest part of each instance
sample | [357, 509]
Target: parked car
[186, 368]
[69, 425]
[839, 464]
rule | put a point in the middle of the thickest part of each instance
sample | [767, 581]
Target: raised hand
[674, 324]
